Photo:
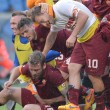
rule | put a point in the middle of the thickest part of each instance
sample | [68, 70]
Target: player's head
[15, 18]
[27, 29]
[41, 17]
[37, 64]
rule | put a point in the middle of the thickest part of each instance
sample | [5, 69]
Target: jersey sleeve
[24, 70]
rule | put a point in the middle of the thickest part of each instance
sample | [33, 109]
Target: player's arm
[81, 19]
[49, 101]
[50, 40]
[15, 73]
[39, 99]
[63, 88]
[54, 100]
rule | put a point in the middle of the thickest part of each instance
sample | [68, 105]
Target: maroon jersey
[59, 45]
[60, 60]
[28, 98]
[48, 83]
[88, 4]
[100, 7]
[42, 33]
[64, 66]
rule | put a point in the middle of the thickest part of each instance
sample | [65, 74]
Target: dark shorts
[93, 54]
[28, 98]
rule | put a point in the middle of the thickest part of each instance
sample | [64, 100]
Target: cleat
[69, 106]
[89, 99]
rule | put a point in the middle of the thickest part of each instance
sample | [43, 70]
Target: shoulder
[25, 69]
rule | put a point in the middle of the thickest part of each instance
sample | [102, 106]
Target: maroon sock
[82, 93]
[83, 90]
[106, 80]
[73, 95]
[100, 105]
[107, 98]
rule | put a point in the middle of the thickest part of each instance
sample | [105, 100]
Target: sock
[106, 80]
[73, 95]
[84, 90]
[99, 98]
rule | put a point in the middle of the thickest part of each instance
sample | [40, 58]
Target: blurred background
[6, 9]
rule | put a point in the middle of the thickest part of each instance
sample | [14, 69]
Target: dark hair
[18, 13]
[36, 57]
[24, 21]
[55, 1]
[36, 11]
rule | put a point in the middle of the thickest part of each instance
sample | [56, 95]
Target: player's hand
[8, 84]
[44, 7]
[44, 53]
[28, 13]
[70, 41]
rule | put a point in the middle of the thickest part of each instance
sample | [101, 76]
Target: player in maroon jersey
[50, 84]
[37, 36]
[101, 7]
[44, 77]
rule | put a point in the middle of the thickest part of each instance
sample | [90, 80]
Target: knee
[5, 93]
[74, 68]
[26, 107]
[4, 96]
[32, 107]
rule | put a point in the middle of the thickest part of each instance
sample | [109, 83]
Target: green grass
[2, 108]
[18, 107]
